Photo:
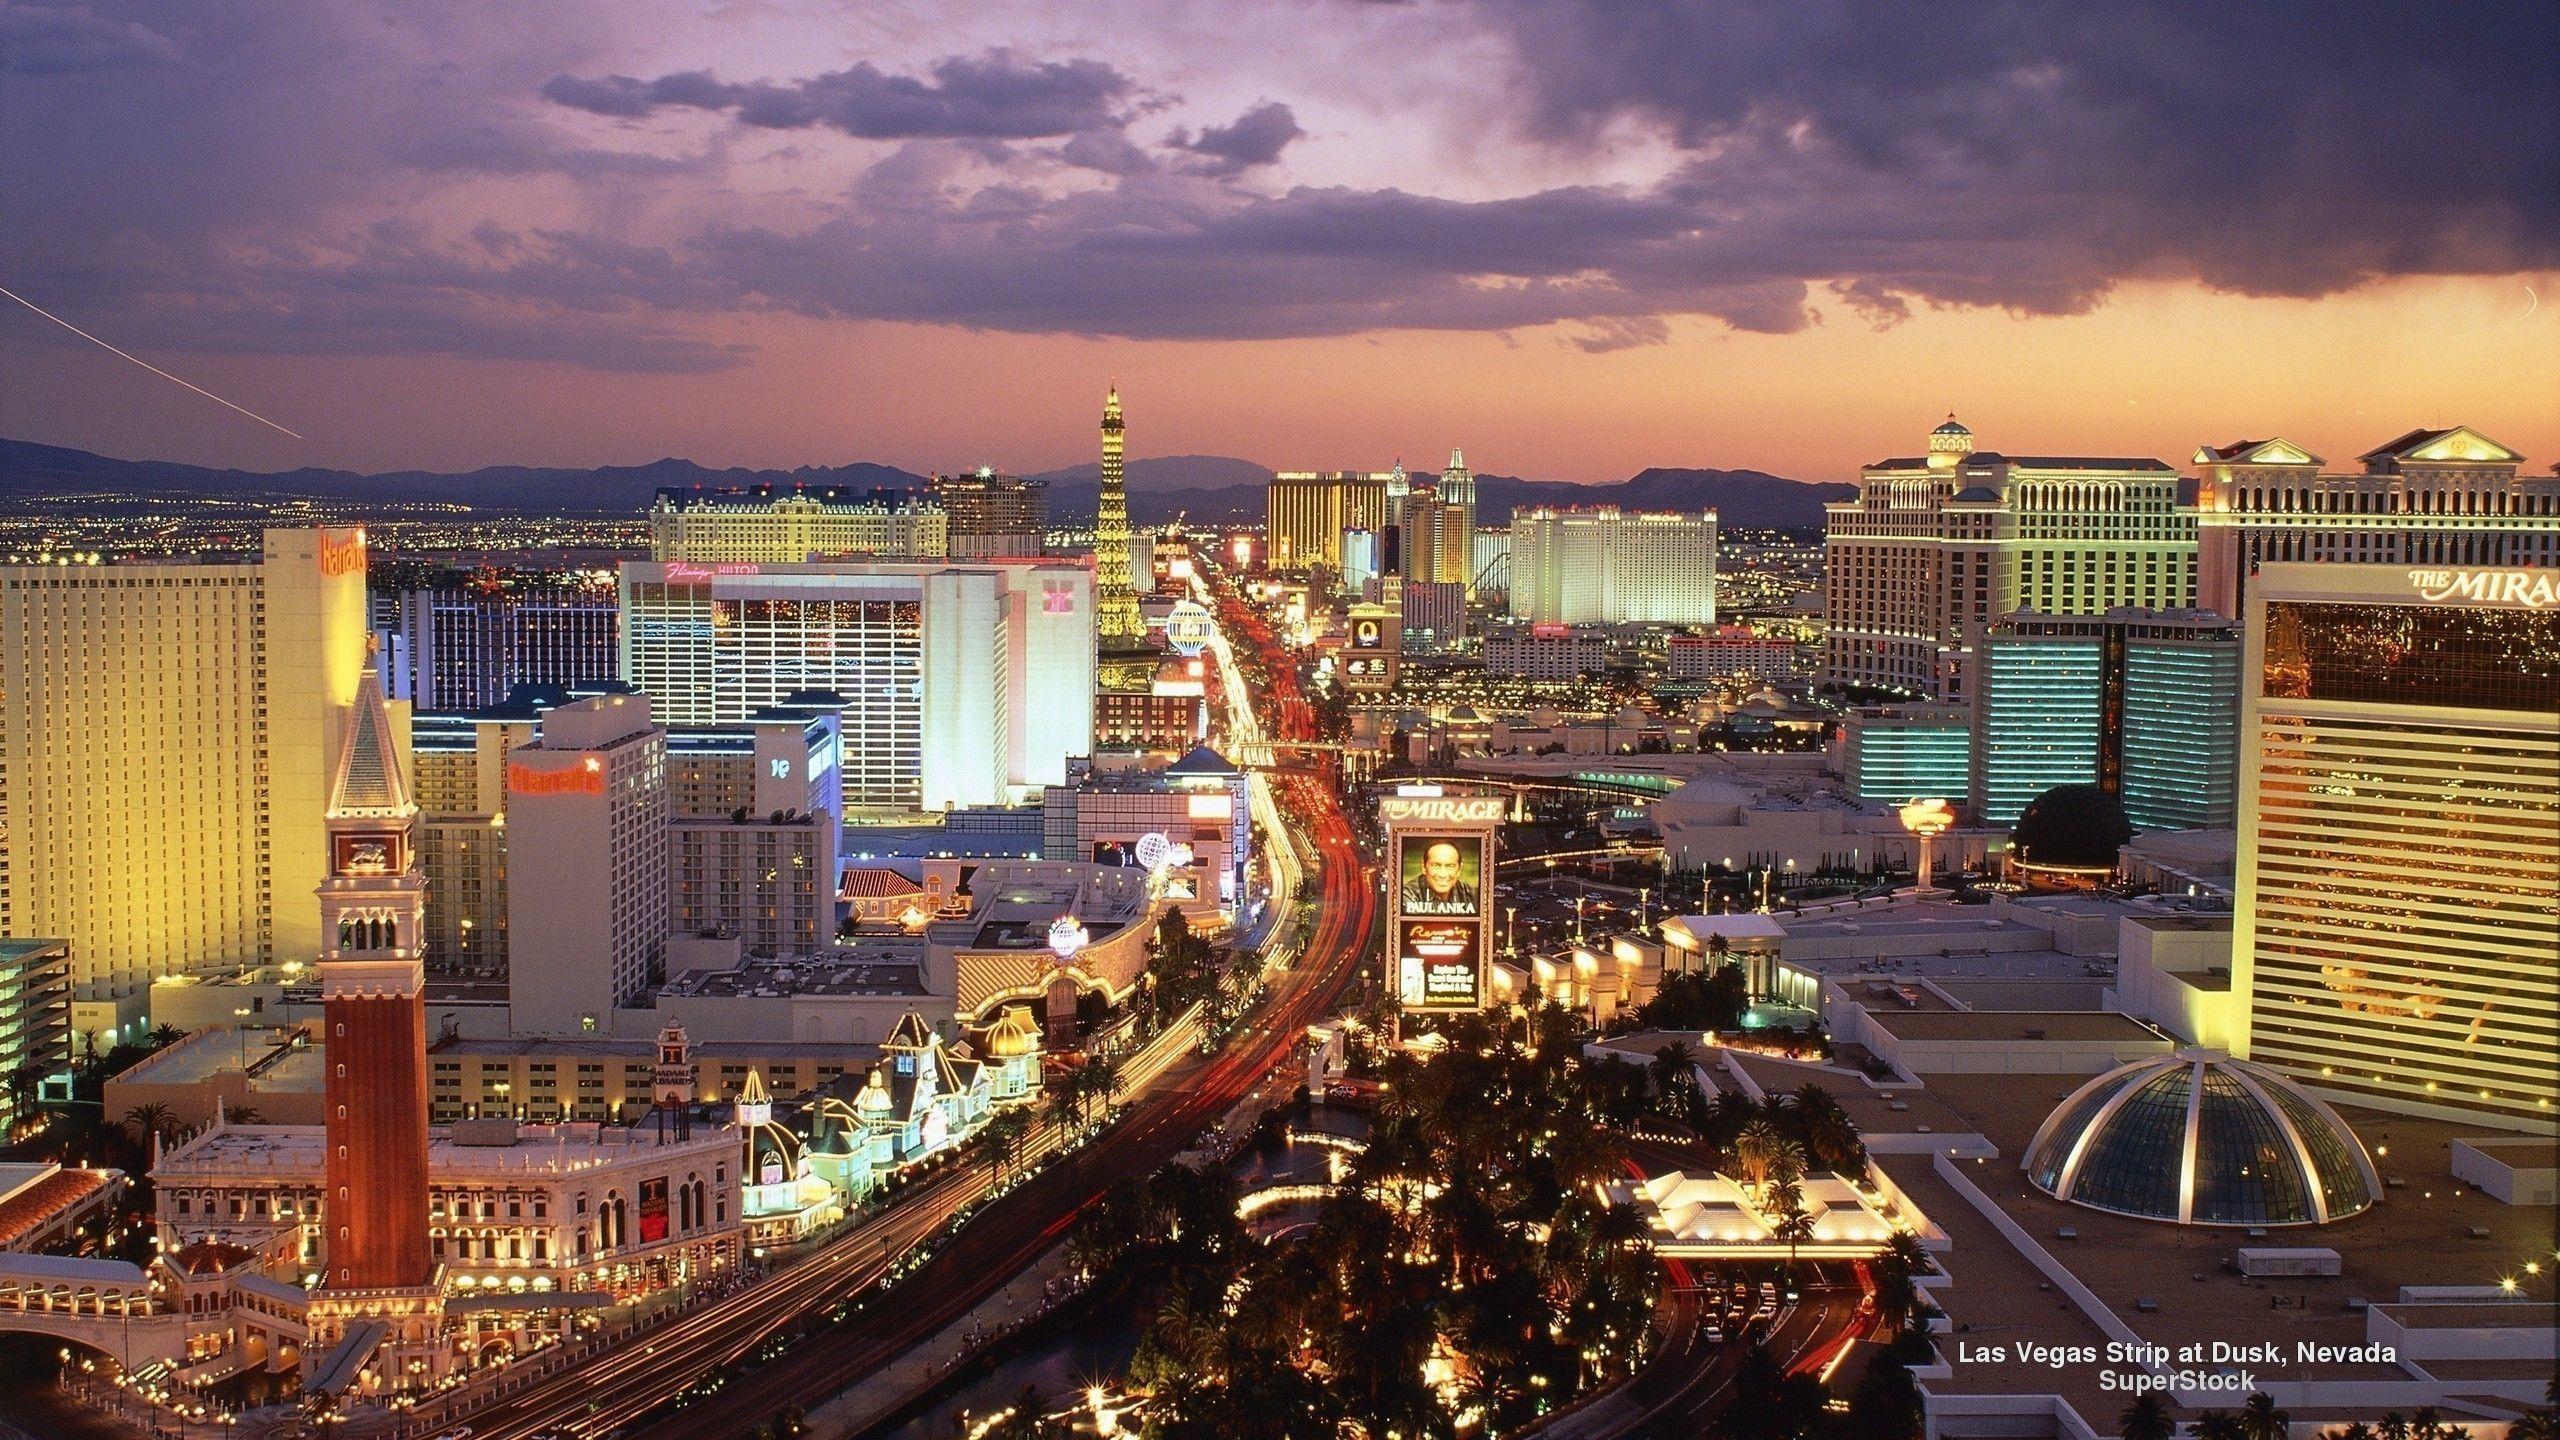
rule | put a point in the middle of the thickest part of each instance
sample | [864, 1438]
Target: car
[1767, 1311]
[1714, 1334]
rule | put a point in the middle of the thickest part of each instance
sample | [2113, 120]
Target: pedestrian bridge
[105, 1305]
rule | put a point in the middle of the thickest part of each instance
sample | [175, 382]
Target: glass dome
[2202, 1139]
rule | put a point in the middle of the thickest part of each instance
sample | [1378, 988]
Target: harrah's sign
[2532, 589]
[342, 557]
[1442, 810]
[587, 779]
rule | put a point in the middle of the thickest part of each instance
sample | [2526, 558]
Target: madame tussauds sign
[2532, 589]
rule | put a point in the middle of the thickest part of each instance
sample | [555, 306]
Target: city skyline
[774, 238]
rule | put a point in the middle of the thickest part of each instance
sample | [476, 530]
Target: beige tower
[166, 738]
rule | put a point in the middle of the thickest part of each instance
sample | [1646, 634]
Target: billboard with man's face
[1440, 875]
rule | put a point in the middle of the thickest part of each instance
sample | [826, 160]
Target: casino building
[2448, 497]
[176, 720]
[2400, 787]
[1937, 546]
[960, 684]
[793, 523]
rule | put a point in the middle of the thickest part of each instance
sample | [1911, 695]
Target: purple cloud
[303, 177]
[71, 39]
[1255, 138]
[991, 96]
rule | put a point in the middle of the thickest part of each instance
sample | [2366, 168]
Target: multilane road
[999, 1242]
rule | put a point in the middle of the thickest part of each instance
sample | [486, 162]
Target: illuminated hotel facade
[166, 736]
[787, 524]
[2444, 497]
[1605, 566]
[1937, 546]
[961, 684]
[2142, 704]
[1306, 511]
[462, 644]
[2396, 918]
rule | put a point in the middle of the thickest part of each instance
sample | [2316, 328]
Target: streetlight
[1926, 819]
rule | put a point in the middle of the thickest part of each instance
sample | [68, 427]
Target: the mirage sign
[2532, 589]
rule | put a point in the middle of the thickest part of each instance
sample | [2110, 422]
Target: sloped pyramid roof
[367, 780]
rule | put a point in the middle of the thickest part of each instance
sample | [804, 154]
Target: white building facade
[957, 684]
[1606, 566]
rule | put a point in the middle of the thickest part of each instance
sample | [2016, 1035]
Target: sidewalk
[891, 1388]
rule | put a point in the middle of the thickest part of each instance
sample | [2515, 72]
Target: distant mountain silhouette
[30, 471]
[1204, 488]
[1739, 497]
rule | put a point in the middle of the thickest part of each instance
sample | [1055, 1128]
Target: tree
[1066, 1102]
[2261, 1420]
[24, 1083]
[2146, 1417]
[1003, 1139]
[149, 1119]
[1886, 1405]
[1755, 1151]
[2218, 1425]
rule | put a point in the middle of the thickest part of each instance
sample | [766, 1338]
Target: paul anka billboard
[1441, 849]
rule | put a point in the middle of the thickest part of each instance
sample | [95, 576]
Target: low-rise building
[578, 1210]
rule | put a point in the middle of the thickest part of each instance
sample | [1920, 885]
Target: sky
[1575, 237]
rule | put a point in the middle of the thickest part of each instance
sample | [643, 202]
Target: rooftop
[2013, 1025]
[885, 966]
[2421, 1234]
[546, 1149]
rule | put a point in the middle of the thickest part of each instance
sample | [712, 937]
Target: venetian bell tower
[372, 983]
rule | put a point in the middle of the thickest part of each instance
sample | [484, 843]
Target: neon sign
[1442, 810]
[342, 557]
[2533, 589]
[680, 572]
[587, 779]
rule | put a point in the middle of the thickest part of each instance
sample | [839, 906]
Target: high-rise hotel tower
[1306, 511]
[959, 684]
[2445, 497]
[2398, 909]
[1937, 546]
[166, 737]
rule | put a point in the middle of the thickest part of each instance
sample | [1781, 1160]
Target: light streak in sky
[2532, 302]
[145, 364]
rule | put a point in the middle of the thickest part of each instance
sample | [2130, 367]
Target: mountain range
[1210, 488]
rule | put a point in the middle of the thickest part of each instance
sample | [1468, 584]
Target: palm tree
[2395, 1426]
[149, 1119]
[2428, 1424]
[2218, 1425]
[2534, 1425]
[2147, 1418]
[2261, 1420]
[2357, 1431]
[1755, 1151]
[1066, 1104]
[1004, 1134]
[1672, 1062]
